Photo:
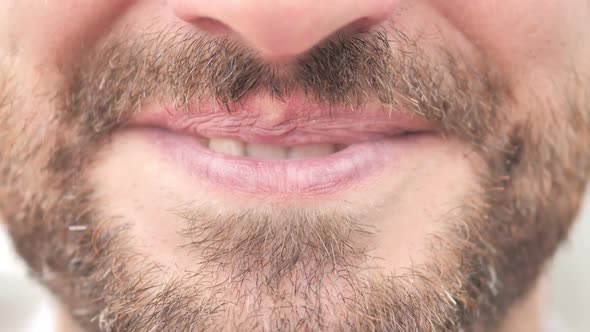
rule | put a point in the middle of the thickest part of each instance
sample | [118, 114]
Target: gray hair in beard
[466, 101]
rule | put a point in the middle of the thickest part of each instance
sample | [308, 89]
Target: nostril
[282, 30]
[363, 24]
[211, 25]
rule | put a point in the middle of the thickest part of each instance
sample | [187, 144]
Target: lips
[280, 148]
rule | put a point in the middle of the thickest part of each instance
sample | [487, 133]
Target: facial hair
[527, 193]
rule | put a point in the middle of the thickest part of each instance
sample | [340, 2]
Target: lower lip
[315, 176]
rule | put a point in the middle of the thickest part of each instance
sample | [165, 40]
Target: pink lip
[375, 139]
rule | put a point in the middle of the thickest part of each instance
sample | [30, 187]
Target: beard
[294, 269]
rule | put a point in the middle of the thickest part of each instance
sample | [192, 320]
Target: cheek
[520, 34]
[56, 30]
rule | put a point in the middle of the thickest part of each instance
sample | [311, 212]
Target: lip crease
[375, 138]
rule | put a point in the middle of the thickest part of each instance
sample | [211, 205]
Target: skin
[493, 201]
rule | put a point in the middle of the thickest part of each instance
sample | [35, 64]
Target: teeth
[239, 148]
[307, 151]
[227, 146]
[266, 151]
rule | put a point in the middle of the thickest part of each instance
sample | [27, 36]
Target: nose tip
[283, 28]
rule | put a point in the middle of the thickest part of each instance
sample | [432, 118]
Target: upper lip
[290, 123]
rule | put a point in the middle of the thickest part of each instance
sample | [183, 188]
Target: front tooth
[309, 151]
[227, 146]
[266, 151]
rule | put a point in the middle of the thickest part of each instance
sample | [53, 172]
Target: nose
[283, 28]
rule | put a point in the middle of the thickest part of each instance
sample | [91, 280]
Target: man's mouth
[281, 148]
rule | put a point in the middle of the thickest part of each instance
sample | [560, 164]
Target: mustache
[116, 79]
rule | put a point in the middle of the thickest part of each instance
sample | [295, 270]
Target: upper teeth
[239, 148]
